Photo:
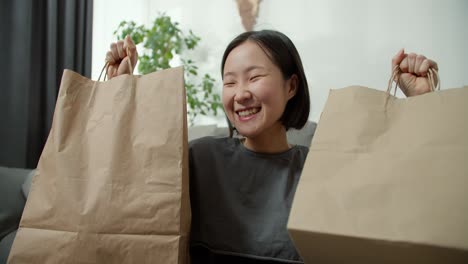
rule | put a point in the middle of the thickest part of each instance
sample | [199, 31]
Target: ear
[292, 84]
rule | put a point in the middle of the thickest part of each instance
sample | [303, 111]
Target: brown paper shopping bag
[386, 180]
[112, 182]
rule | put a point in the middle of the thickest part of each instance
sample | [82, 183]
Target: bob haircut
[282, 52]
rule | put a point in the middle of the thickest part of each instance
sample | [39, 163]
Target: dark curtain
[39, 39]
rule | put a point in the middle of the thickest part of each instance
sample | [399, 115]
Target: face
[254, 91]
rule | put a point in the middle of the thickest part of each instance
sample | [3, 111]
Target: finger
[111, 71]
[425, 65]
[120, 49]
[417, 66]
[411, 62]
[123, 69]
[110, 58]
[433, 64]
[114, 51]
[129, 46]
[404, 64]
[128, 42]
[396, 60]
[134, 57]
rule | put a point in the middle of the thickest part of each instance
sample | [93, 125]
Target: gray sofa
[12, 199]
[15, 183]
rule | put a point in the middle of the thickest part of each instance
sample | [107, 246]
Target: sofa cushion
[27, 184]
[303, 136]
[5, 246]
[11, 180]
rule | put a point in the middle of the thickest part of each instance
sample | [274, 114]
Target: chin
[248, 132]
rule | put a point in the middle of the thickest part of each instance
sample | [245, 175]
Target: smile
[246, 113]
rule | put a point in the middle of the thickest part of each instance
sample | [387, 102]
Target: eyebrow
[250, 68]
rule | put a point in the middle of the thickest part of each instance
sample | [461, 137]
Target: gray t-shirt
[241, 202]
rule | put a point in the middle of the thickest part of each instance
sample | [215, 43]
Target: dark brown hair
[282, 52]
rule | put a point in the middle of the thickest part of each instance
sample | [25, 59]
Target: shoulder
[299, 155]
[302, 150]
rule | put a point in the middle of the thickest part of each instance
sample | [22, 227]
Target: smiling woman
[265, 93]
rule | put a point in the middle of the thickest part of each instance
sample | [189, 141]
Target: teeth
[248, 112]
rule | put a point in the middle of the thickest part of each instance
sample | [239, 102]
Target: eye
[229, 84]
[255, 77]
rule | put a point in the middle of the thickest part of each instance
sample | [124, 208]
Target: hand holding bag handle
[432, 75]
[106, 67]
[415, 73]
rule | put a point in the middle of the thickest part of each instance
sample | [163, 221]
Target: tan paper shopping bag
[386, 180]
[112, 183]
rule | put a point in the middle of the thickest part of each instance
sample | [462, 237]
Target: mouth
[247, 113]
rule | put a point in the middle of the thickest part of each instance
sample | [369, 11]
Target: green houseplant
[162, 42]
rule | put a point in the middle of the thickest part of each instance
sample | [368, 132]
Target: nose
[242, 94]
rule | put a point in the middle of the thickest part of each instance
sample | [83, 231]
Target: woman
[242, 189]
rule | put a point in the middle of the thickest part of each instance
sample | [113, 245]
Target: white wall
[341, 42]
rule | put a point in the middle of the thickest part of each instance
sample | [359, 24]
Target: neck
[273, 140]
